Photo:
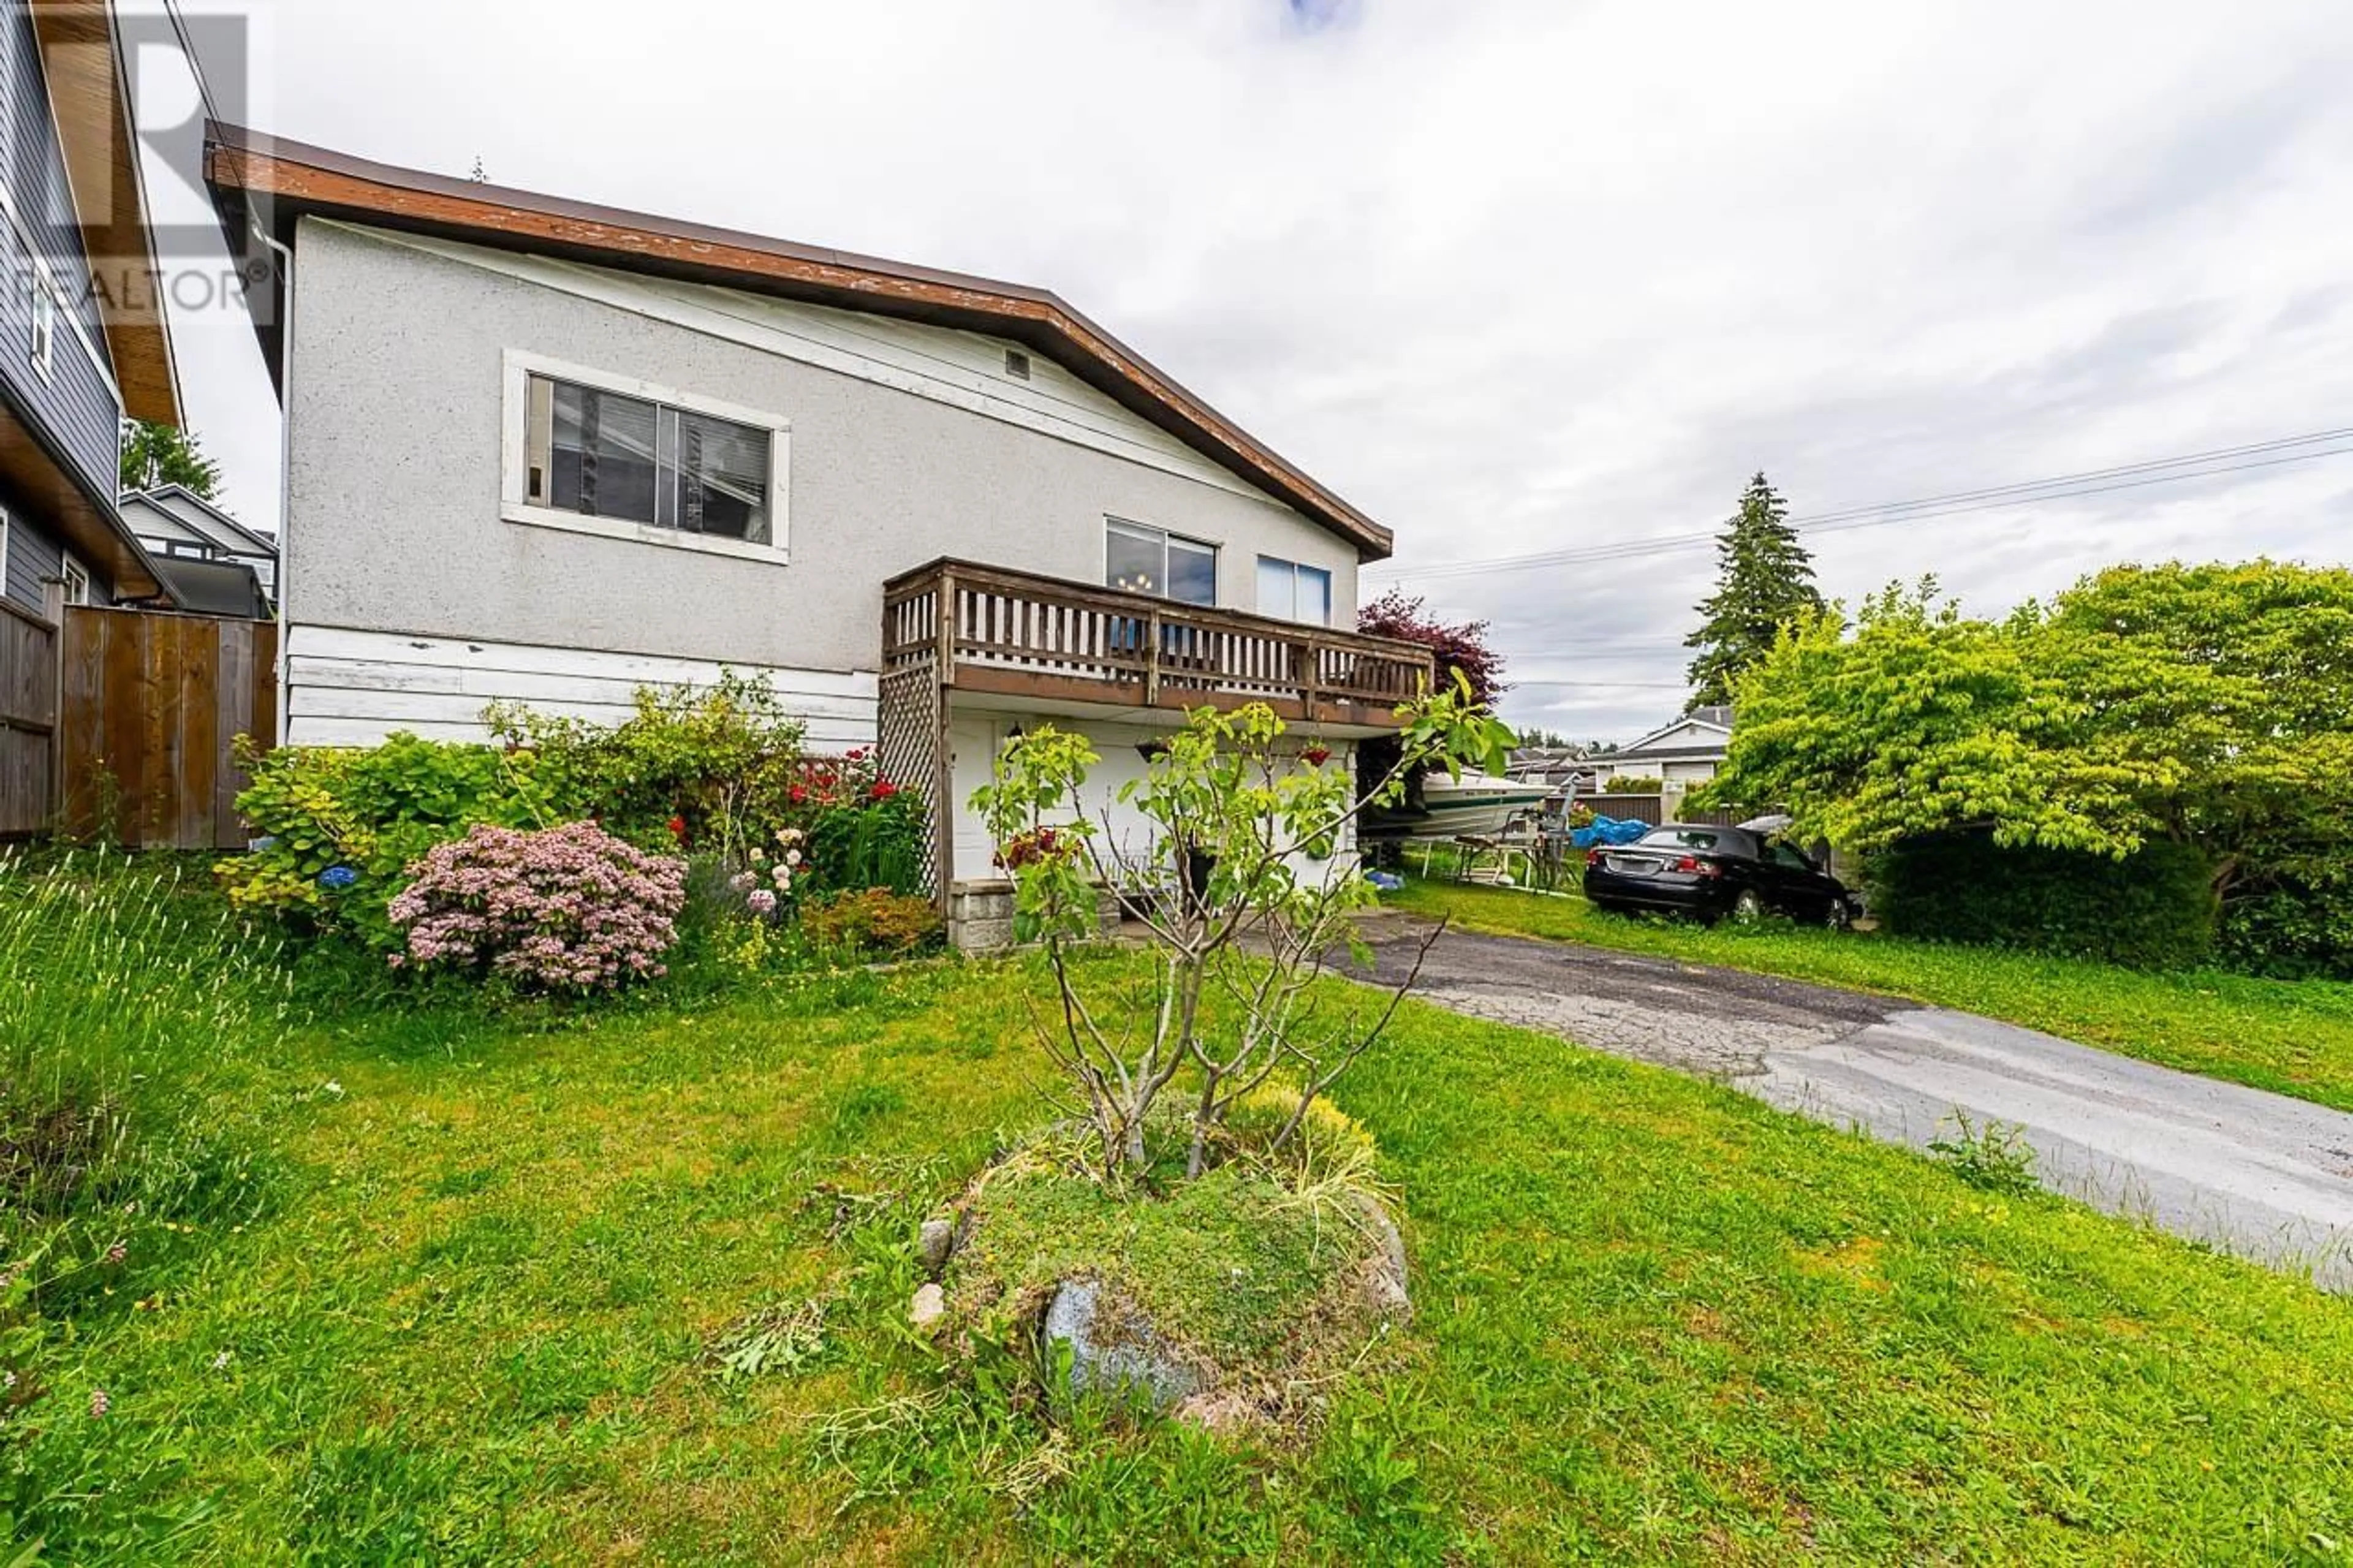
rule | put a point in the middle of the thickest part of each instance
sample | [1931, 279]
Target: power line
[1672, 543]
[1926, 509]
[1608, 684]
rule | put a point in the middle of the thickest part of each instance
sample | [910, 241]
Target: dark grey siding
[75, 406]
[36, 167]
[32, 556]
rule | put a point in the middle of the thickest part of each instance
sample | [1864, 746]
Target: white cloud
[1516, 277]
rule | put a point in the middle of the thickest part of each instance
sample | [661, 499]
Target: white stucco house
[544, 452]
[1687, 751]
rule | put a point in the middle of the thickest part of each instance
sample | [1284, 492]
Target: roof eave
[255, 177]
[89, 96]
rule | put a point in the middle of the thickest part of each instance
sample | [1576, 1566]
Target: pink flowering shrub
[563, 908]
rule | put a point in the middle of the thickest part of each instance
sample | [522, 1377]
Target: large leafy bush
[712, 767]
[563, 908]
[2154, 909]
[337, 825]
[2206, 706]
[717, 772]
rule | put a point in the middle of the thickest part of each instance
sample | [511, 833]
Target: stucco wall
[976, 736]
[394, 492]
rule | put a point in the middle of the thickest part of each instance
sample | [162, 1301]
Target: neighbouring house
[83, 340]
[1567, 770]
[1687, 751]
[546, 452]
[213, 563]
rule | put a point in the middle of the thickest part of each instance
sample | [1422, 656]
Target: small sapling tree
[1241, 889]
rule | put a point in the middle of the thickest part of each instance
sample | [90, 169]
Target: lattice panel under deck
[908, 748]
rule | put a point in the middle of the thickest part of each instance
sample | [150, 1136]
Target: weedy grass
[132, 1006]
[488, 1317]
[2289, 1037]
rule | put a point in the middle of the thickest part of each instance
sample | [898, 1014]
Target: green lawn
[2291, 1037]
[470, 1321]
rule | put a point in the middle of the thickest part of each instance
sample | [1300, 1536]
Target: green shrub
[2291, 929]
[2153, 910]
[876, 841]
[704, 768]
[1625, 785]
[337, 826]
[871, 921]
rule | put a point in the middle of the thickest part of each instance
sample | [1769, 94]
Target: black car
[1713, 873]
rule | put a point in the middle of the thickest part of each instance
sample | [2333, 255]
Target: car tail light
[1593, 856]
[1693, 865]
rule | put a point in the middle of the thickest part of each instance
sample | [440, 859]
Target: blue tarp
[1608, 830]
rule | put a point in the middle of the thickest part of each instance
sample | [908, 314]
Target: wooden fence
[1625, 807]
[147, 707]
[28, 721]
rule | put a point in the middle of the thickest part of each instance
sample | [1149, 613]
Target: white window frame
[75, 578]
[514, 459]
[1331, 589]
[1217, 558]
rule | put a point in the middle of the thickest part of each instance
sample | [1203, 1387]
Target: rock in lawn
[933, 1243]
[931, 1302]
[1113, 1353]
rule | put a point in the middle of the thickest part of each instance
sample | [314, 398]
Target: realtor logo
[133, 87]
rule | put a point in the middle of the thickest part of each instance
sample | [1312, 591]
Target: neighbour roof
[213, 587]
[1722, 727]
[81, 59]
[178, 502]
[274, 182]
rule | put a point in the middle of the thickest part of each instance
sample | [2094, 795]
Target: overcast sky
[1512, 277]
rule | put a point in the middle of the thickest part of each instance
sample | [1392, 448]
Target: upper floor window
[1146, 560]
[603, 455]
[1294, 592]
[77, 580]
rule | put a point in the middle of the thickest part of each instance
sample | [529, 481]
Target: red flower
[678, 828]
[884, 789]
[855, 754]
[796, 794]
[1315, 756]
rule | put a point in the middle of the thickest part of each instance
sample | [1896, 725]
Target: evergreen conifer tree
[1764, 578]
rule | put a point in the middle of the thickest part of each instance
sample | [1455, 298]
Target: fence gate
[148, 705]
[28, 721]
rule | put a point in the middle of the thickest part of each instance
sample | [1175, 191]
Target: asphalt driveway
[2257, 1174]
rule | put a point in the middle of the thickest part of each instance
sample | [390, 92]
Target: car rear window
[1683, 837]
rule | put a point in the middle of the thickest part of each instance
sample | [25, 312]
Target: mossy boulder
[1227, 1292]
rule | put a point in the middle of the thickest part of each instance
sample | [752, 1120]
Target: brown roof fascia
[82, 60]
[255, 174]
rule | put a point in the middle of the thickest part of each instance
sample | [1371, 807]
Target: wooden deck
[990, 632]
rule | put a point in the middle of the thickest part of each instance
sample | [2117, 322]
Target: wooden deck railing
[986, 629]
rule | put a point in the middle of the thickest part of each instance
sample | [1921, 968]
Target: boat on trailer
[1474, 805]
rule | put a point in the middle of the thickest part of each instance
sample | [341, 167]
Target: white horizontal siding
[963, 369]
[346, 688]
